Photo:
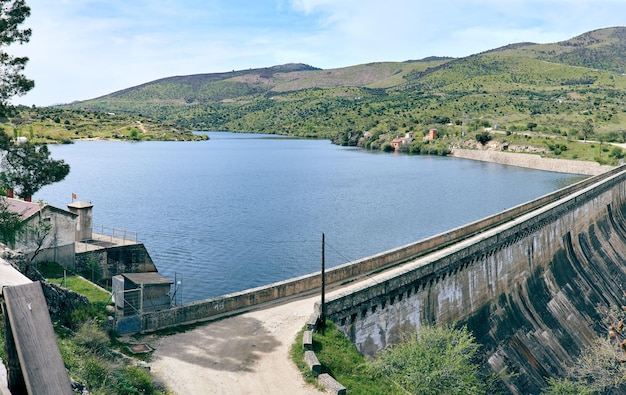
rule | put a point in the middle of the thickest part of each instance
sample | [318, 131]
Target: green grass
[341, 359]
[87, 346]
[56, 274]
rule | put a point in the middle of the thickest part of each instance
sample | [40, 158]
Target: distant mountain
[557, 86]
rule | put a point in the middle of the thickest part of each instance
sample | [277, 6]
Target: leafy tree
[483, 137]
[27, 167]
[12, 81]
[531, 126]
[438, 360]
[10, 224]
[587, 129]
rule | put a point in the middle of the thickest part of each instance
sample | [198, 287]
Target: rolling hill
[555, 88]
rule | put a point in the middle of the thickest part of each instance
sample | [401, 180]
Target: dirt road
[245, 354]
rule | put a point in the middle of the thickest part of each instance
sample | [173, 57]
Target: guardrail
[116, 233]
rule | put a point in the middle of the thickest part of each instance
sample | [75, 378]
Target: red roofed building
[398, 142]
[432, 135]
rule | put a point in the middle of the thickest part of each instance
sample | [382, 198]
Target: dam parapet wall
[237, 302]
[532, 289]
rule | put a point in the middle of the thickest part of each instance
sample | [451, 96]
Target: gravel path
[245, 354]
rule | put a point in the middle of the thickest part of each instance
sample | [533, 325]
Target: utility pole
[322, 319]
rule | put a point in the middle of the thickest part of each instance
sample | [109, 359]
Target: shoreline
[533, 161]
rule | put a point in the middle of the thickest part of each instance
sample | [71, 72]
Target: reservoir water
[241, 210]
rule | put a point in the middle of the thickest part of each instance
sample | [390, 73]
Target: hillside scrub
[437, 360]
[575, 89]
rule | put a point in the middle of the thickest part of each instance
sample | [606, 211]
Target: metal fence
[116, 233]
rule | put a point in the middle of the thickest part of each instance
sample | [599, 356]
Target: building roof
[79, 204]
[27, 209]
[23, 208]
[147, 278]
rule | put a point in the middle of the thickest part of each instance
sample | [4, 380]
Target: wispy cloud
[82, 49]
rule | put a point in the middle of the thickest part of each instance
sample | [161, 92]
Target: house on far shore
[49, 233]
[398, 142]
[432, 135]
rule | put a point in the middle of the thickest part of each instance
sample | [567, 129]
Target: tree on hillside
[10, 224]
[12, 81]
[587, 129]
[483, 137]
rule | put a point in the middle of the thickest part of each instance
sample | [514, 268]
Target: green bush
[437, 360]
[483, 137]
[91, 336]
[133, 380]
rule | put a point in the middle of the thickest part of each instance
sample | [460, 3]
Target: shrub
[133, 380]
[483, 137]
[90, 335]
[387, 147]
[437, 360]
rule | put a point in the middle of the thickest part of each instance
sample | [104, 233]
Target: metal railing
[116, 233]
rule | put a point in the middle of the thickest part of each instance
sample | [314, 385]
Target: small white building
[48, 233]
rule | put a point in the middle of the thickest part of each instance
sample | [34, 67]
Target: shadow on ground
[235, 344]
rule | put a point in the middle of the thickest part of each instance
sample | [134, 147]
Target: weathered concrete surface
[531, 290]
[30, 334]
[533, 161]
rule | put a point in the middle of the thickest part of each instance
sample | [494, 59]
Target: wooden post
[322, 319]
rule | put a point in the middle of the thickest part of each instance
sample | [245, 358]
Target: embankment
[533, 161]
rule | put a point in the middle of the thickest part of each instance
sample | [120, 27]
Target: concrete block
[307, 340]
[331, 385]
[310, 324]
[311, 359]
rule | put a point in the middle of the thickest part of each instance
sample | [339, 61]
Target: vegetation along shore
[548, 97]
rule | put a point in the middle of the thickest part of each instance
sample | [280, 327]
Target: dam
[532, 283]
[534, 290]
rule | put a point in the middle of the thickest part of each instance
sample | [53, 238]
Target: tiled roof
[23, 208]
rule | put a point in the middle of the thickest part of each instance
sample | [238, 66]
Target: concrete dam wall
[532, 290]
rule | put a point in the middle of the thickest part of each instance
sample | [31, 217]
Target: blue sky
[82, 49]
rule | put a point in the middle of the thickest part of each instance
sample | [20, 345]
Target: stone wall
[531, 290]
[59, 299]
[133, 258]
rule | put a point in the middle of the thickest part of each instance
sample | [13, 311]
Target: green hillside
[572, 89]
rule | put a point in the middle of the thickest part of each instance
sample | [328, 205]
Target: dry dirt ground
[244, 354]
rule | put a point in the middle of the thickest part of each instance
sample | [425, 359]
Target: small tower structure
[84, 223]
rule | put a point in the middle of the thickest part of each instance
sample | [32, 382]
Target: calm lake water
[240, 211]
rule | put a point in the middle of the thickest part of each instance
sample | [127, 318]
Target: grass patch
[340, 358]
[58, 275]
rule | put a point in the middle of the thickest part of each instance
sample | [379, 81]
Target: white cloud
[81, 49]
